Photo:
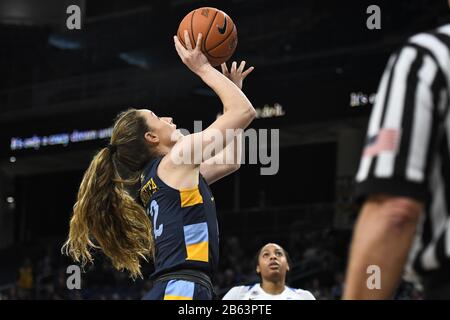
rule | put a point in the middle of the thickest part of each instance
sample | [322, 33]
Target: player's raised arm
[238, 114]
[229, 159]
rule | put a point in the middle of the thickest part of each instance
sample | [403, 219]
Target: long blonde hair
[105, 215]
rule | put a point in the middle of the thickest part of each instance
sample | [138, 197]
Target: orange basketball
[219, 33]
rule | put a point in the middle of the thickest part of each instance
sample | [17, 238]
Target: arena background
[317, 71]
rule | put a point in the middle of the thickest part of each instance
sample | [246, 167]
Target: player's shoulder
[433, 41]
[307, 295]
[236, 293]
[436, 32]
[149, 169]
[430, 43]
[302, 294]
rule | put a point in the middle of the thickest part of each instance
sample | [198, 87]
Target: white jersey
[255, 292]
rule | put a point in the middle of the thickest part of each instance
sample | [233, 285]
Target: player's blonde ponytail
[105, 215]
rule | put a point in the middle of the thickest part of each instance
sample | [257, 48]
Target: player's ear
[152, 138]
[258, 269]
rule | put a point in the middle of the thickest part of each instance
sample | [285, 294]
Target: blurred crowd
[318, 265]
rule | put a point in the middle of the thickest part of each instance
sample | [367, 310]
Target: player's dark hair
[105, 215]
[256, 261]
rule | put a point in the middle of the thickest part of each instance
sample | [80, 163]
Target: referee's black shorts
[437, 286]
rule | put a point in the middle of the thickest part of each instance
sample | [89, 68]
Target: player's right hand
[193, 58]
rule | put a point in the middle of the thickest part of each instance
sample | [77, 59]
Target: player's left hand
[237, 75]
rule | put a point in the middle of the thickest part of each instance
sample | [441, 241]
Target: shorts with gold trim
[178, 290]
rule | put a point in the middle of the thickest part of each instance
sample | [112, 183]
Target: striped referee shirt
[407, 144]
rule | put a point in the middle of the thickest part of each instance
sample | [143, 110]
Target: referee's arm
[382, 237]
[391, 180]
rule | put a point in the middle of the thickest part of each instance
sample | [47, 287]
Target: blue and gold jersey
[184, 222]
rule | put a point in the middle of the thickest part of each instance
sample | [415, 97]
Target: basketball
[218, 31]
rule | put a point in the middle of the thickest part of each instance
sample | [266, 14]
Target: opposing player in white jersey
[272, 266]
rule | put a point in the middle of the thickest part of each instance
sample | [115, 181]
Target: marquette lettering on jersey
[147, 191]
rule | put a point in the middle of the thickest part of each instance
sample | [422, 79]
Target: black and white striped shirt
[407, 146]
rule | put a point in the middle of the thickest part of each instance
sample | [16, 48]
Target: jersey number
[154, 208]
